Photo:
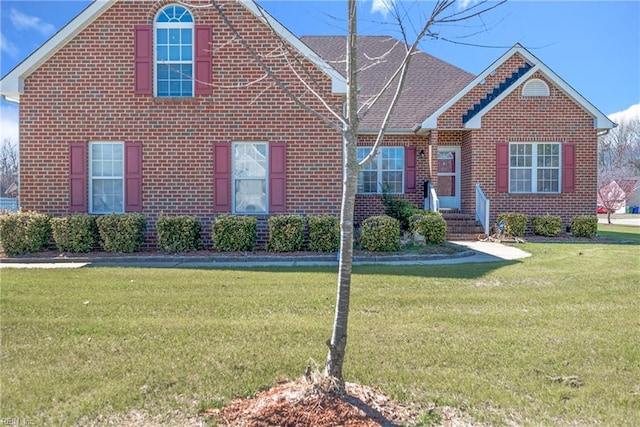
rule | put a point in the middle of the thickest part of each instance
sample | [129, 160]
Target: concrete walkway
[474, 252]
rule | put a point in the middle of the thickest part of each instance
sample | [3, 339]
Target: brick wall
[85, 92]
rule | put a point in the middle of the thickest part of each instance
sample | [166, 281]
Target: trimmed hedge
[121, 233]
[400, 209]
[514, 224]
[546, 225]
[431, 225]
[584, 226]
[178, 233]
[286, 233]
[233, 233]
[324, 233]
[76, 233]
[24, 232]
[380, 233]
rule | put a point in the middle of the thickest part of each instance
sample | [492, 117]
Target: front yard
[549, 340]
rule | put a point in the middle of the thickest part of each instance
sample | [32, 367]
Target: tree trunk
[337, 344]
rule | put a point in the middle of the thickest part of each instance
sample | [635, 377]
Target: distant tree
[8, 165]
[618, 165]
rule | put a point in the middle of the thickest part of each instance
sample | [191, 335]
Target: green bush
[546, 225]
[400, 209]
[380, 233]
[122, 233]
[324, 233]
[76, 233]
[286, 233]
[514, 224]
[232, 233]
[431, 225]
[24, 232]
[178, 233]
[584, 226]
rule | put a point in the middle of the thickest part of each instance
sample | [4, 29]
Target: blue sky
[593, 45]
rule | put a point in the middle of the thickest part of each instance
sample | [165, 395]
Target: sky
[594, 46]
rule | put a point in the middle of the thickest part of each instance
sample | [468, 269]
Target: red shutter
[143, 59]
[222, 177]
[78, 177]
[133, 177]
[410, 169]
[502, 167]
[568, 168]
[277, 177]
[203, 62]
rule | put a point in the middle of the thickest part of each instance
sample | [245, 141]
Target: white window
[535, 87]
[250, 173]
[174, 52]
[106, 186]
[534, 168]
[384, 173]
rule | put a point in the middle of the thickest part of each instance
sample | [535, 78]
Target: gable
[12, 84]
[509, 73]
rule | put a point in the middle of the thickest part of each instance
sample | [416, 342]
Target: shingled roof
[430, 82]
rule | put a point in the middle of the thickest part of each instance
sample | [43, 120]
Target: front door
[449, 177]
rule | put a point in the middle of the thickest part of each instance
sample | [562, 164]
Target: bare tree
[413, 27]
[8, 165]
[618, 165]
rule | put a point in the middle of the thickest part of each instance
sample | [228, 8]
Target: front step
[462, 226]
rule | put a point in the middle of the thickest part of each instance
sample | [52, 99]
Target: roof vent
[535, 87]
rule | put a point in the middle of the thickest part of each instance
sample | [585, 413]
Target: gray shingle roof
[430, 82]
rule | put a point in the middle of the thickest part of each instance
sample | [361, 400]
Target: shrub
[75, 233]
[232, 233]
[584, 226]
[178, 233]
[400, 209]
[123, 233]
[546, 225]
[24, 232]
[324, 233]
[380, 233]
[431, 225]
[286, 233]
[514, 224]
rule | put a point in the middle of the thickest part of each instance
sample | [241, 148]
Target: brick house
[154, 107]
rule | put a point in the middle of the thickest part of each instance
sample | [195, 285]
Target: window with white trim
[384, 173]
[250, 173]
[174, 52]
[106, 172]
[534, 168]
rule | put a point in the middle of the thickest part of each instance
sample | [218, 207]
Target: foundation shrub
[546, 225]
[286, 233]
[515, 224]
[234, 233]
[380, 233]
[24, 232]
[431, 225]
[324, 233]
[584, 226]
[178, 233]
[121, 233]
[400, 209]
[77, 233]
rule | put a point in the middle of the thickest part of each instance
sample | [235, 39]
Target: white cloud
[9, 123]
[7, 47]
[382, 6]
[25, 22]
[463, 4]
[630, 113]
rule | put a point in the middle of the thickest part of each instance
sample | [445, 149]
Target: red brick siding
[85, 92]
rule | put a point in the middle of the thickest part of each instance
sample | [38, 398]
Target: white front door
[449, 177]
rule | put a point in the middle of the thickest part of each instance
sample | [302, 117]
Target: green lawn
[548, 340]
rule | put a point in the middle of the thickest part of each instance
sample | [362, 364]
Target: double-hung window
[174, 51]
[534, 168]
[106, 187]
[250, 173]
[384, 173]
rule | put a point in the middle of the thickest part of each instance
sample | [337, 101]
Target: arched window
[535, 87]
[174, 52]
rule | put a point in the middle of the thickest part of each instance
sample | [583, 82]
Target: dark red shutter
[568, 168]
[203, 62]
[222, 177]
[277, 177]
[502, 167]
[410, 169]
[133, 177]
[78, 177]
[143, 59]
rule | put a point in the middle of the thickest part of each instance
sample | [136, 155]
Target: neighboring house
[156, 108]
